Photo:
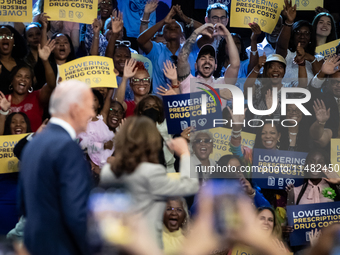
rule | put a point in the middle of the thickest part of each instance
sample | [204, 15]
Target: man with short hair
[55, 177]
[216, 13]
[206, 62]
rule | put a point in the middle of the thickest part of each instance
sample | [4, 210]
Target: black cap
[206, 49]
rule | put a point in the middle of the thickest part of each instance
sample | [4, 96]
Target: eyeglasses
[106, 2]
[305, 33]
[8, 37]
[293, 111]
[200, 141]
[176, 209]
[126, 43]
[113, 111]
[145, 80]
[217, 19]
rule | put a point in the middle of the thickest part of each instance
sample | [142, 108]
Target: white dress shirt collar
[68, 128]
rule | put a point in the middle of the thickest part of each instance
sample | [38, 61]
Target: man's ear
[215, 67]
[227, 22]
[206, 19]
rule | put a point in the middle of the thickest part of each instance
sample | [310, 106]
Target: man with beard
[206, 62]
[268, 44]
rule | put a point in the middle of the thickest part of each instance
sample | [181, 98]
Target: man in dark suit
[55, 178]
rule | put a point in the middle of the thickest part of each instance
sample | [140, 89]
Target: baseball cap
[206, 49]
[277, 58]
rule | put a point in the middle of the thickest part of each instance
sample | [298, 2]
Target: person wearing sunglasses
[202, 147]
[140, 83]
[12, 51]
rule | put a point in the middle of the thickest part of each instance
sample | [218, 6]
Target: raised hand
[166, 91]
[186, 134]
[4, 103]
[331, 65]
[237, 118]
[221, 30]
[247, 186]
[43, 19]
[314, 236]
[129, 68]
[204, 30]
[168, 19]
[117, 21]
[179, 145]
[321, 113]
[44, 52]
[97, 25]
[151, 6]
[289, 188]
[179, 11]
[169, 70]
[300, 54]
[289, 11]
[256, 31]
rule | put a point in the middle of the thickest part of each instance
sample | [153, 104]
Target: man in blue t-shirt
[158, 53]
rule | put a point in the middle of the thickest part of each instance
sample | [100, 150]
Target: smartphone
[109, 209]
[225, 194]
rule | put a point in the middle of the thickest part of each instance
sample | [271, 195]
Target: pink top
[185, 86]
[313, 193]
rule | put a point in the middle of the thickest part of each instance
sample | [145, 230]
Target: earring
[13, 44]
[278, 144]
[10, 87]
[184, 222]
[30, 90]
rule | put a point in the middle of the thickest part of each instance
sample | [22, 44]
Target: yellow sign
[307, 5]
[145, 60]
[93, 70]
[242, 250]
[80, 11]
[263, 12]
[222, 137]
[327, 49]
[8, 162]
[335, 155]
[16, 10]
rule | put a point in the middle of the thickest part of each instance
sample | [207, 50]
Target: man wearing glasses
[216, 13]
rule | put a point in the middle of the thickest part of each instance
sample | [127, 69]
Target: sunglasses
[145, 80]
[200, 141]
[113, 111]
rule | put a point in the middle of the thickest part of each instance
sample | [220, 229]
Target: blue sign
[276, 169]
[185, 110]
[305, 218]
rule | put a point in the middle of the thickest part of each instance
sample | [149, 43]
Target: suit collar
[66, 126]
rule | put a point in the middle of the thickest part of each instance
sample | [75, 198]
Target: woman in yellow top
[176, 219]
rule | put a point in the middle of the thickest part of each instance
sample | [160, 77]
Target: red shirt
[32, 107]
[130, 108]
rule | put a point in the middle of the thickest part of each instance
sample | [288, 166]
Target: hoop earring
[10, 87]
[30, 90]
[278, 144]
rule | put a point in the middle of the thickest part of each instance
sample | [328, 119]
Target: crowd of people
[146, 197]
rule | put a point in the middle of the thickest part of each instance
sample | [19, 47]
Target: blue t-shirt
[158, 55]
[128, 92]
[133, 11]
[242, 72]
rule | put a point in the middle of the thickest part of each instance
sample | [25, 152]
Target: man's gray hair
[65, 94]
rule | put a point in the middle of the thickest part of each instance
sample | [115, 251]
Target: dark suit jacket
[54, 189]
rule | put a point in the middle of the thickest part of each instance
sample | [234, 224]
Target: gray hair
[65, 94]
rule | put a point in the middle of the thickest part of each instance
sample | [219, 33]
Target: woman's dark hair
[29, 59]
[333, 35]
[258, 140]
[20, 66]
[224, 161]
[222, 55]
[122, 46]
[19, 49]
[70, 57]
[7, 130]
[113, 102]
[100, 99]
[326, 157]
[277, 231]
[310, 48]
[139, 107]
[136, 143]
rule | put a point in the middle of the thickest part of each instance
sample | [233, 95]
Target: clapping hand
[256, 31]
[97, 25]
[321, 113]
[169, 70]
[129, 68]
[44, 52]
[289, 11]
